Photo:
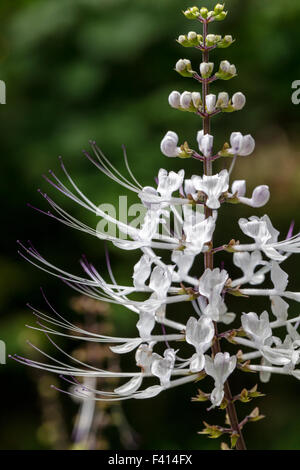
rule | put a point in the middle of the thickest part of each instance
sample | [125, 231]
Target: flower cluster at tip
[170, 350]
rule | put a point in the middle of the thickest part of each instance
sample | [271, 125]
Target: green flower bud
[183, 41]
[184, 68]
[219, 8]
[191, 13]
[226, 71]
[204, 12]
[210, 40]
[221, 16]
[193, 38]
[225, 42]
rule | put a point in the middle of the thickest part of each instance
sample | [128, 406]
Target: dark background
[102, 69]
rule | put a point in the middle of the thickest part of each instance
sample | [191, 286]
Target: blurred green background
[77, 70]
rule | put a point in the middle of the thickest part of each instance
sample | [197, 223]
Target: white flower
[189, 188]
[144, 357]
[199, 333]
[219, 369]
[141, 272]
[174, 99]
[184, 261]
[264, 234]
[257, 328]
[169, 146]
[160, 281]
[238, 101]
[210, 103]
[162, 366]
[213, 186]
[241, 145]
[205, 142]
[197, 229]
[248, 262]
[211, 285]
[170, 182]
[279, 308]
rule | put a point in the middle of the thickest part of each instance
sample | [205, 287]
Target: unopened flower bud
[196, 97]
[260, 196]
[186, 100]
[174, 99]
[169, 144]
[241, 145]
[232, 70]
[238, 101]
[184, 68]
[192, 13]
[205, 142]
[210, 40]
[193, 38]
[223, 100]
[211, 103]
[225, 42]
[239, 188]
[219, 8]
[204, 12]
[206, 69]
[221, 16]
[183, 41]
[224, 66]
[226, 70]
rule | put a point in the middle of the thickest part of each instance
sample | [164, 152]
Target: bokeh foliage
[102, 69]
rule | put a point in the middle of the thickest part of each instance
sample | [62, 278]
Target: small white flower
[160, 281]
[189, 188]
[219, 369]
[170, 182]
[184, 262]
[241, 145]
[248, 262]
[279, 308]
[238, 101]
[169, 144]
[199, 333]
[162, 366]
[213, 186]
[197, 229]
[211, 285]
[141, 272]
[257, 328]
[144, 357]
